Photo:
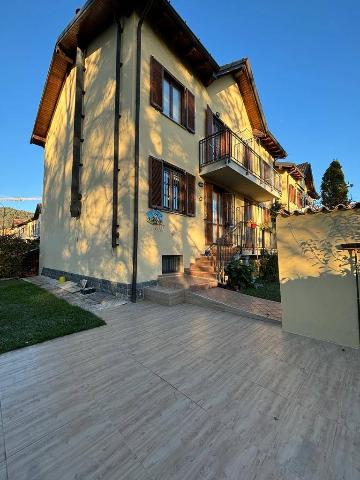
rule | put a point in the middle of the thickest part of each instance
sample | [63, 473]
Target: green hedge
[13, 251]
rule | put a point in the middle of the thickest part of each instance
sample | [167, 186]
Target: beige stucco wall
[84, 245]
[163, 138]
[318, 288]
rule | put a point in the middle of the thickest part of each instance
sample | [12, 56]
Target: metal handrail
[238, 239]
[227, 145]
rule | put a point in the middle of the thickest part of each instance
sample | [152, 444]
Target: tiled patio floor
[182, 393]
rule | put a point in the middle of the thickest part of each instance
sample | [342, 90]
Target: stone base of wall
[115, 288]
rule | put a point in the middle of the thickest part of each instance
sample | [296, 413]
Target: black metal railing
[227, 145]
[244, 238]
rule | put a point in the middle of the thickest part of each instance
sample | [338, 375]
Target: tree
[334, 189]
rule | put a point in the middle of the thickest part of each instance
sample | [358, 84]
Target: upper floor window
[292, 194]
[170, 97]
[170, 188]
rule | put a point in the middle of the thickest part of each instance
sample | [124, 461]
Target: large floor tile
[38, 409]
[3, 472]
[87, 448]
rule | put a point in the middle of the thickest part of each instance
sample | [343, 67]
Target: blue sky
[305, 58]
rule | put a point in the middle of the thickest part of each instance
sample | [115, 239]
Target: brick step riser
[200, 273]
[202, 268]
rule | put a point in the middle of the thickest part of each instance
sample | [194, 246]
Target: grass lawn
[29, 315]
[270, 291]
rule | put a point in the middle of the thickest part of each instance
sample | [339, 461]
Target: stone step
[200, 273]
[203, 261]
[202, 268]
[164, 295]
[186, 282]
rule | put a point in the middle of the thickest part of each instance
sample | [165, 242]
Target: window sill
[176, 123]
[172, 212]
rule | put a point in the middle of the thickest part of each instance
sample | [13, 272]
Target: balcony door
[218, 145]
[219, 212]
[249, 214]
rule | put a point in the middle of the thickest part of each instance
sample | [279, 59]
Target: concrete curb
[202, 301]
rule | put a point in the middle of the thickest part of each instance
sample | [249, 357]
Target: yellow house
[28, 229]
[297, 185]
[153, 151]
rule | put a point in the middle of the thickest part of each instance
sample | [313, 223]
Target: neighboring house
[137, 118]
[28, 229]
[298, 188]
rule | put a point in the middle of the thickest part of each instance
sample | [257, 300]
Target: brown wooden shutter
[208, 214]
[190, 195]
[209, 122]
[156, 84]
[155, 182]
[190, 113]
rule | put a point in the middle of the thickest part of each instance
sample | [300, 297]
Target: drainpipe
[137, 149]
[118, 65]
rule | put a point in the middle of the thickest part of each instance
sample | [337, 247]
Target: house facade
[153, 151]
[27, 229]
[297, 185]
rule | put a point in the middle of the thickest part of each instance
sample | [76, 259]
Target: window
[170, 97]
[299, 199]
[171, 189]
[292, 194]
[172, 263]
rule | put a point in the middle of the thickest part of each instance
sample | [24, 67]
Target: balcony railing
[242, 239]
[227, 145]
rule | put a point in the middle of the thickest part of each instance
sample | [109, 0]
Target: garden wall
[317, 279]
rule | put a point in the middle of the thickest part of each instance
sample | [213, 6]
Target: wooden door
[214, 209]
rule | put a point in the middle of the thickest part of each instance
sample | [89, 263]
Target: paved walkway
[245, 303]
[70, 291]
[180, 393]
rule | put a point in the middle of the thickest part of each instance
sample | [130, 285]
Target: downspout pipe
[116, 169]
[137, 148]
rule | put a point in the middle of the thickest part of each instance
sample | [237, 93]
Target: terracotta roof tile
[322, 209]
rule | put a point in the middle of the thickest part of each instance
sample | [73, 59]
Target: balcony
[229, 161]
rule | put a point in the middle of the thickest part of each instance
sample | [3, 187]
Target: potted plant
[251, 223]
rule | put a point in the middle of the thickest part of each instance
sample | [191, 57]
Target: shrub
[13, 251]
[268, 268]
[239, 274]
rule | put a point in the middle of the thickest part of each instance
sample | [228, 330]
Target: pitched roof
[298, 171]
[96, 15]
[241, 70]
[306, 169]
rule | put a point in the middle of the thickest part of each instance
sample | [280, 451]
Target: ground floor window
[170, 188]
[171, 263]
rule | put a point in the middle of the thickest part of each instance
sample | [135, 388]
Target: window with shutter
[170, 97]
[170, 188]
[292, 194]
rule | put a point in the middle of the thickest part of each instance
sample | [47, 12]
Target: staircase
[202, 267]
[171, 287]
[200, 275]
